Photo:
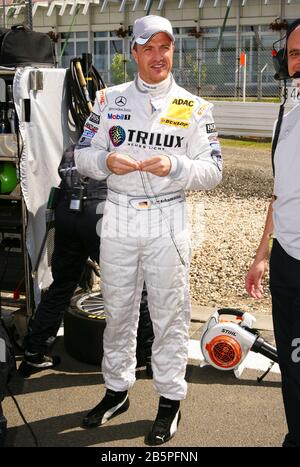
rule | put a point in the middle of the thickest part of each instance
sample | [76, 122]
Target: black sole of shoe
[123, 408]
[149, 442]
[26, 370]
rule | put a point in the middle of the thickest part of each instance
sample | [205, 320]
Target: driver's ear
[134, 54]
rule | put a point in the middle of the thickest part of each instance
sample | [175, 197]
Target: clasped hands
[121, 164]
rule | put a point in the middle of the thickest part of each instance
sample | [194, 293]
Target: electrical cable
[22, 416]
[13, 397]
[278, 126]
[7, 387]
[79, 95]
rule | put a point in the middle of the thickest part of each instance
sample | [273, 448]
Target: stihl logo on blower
[225, 344]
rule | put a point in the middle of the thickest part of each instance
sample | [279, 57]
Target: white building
[209, 36]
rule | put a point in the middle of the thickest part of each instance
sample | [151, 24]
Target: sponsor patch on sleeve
[211, 128]
[88, 134]
[86, 137]
[203, 108]
[89, 126]
[94, 118]
[83, 142]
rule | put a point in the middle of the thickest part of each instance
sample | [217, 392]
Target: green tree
[118, 69]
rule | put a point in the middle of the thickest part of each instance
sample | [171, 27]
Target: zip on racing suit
[144, 232]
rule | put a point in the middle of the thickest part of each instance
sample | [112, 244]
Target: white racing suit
[144, 233]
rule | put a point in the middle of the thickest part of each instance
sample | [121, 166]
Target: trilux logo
[156, 139]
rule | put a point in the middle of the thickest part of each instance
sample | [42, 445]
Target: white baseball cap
[144, 28]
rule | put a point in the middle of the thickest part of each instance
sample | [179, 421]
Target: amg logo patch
[101, 97]
[177, 123]
[211, 128]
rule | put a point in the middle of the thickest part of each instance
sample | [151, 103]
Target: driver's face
[155, 58]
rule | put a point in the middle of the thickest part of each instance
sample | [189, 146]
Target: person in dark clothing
[76, 239]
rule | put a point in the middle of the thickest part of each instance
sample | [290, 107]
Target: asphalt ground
[219, 411]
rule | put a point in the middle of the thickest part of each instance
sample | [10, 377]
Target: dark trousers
[75, 240]
[285, 290]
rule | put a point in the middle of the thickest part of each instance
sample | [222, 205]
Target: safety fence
[212, 72]
[252, 119]
[218, 73]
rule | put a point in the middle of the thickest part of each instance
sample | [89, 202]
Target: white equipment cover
[44, 137]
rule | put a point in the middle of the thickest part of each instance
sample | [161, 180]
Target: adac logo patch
[185, 102]
[177, 123]
[117, 135]
[181, 109]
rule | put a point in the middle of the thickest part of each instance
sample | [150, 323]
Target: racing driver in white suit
[155, 140]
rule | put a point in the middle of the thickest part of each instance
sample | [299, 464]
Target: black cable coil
[77, 101]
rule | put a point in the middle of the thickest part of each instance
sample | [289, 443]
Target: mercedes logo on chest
[120, 101]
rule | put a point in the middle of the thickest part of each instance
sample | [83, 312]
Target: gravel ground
[232, 223]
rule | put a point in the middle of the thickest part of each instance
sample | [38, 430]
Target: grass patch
[246, 143]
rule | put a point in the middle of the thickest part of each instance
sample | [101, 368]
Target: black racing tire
[84, 323]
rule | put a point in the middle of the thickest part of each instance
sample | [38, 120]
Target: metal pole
[223, 26]
[29, 14]
[244, 79]
[149, 7]
[124, 67]
[3, 3]
[199, 68]
[69, 31]
[237, 54]
[259, 73]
